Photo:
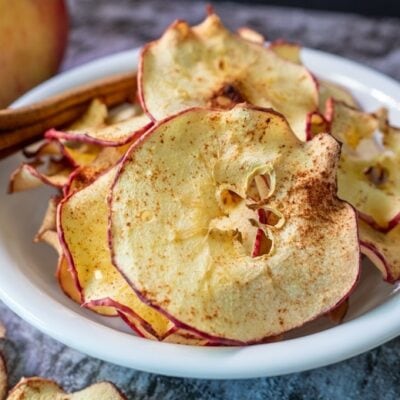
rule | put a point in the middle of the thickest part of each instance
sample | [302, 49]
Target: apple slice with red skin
[28, 176]
[207, 65]
[56, 150]
[382, 248]
[46, 148]
[368, 174]
[66, 281]
[86, 174]
[94, 128]
[116, 134]
[326, 89]
[173, 335]
[338, 314]
[251, 35]
[168, 192]
[330, 90]
[287, 50]
[316, 124]
[36, 388]
[82, 224]
[53, 164]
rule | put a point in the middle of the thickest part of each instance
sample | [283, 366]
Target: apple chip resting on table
[230, 204]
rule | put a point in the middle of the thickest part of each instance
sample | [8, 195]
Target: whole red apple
[33, 37]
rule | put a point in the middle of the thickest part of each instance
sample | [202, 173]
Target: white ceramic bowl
[28, 286]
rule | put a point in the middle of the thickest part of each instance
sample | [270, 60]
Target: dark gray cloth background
[102, 27]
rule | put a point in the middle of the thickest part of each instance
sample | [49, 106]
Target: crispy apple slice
[28, 176]
[382, 249]
[349, 125]
[43, 149]
[95, 116]
[48, 230]
[334, 91]
[209, 66]
[368, 175]
[116, 134]
[123, 112]
[82, 226]
[287, 50]
[96, 127]
[66, 281]
[106, 159]
[337, 314]
[251, 35]
[182, 204]
[326, 89]
[37, 388]
[316, 124]
[49, 222]
[74, 154]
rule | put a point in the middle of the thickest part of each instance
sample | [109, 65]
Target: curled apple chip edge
[44, 148]
[382, 249]
[82, 224]
[49, 220]
[337, 314]
[207, 65]
[335, 91]
[287, 50]
[37, 388]
[113, 128]
[52, 165]
[105, 160]
[169, 209]
[368, 176]
[94, 116]
[28, 176]
[326, 89]
[251, 35]
[116, 134]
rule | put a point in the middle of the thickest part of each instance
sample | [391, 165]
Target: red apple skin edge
[54, 134]
[33, 38]
[379, 260]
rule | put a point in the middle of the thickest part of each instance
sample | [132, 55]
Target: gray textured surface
[103, 27]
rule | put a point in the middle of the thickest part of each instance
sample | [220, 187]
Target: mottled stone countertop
[101, 27]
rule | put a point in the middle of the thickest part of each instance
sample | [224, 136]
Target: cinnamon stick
[12, 119]
[16, 139]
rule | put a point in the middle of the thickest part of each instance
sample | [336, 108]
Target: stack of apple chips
[231, 204]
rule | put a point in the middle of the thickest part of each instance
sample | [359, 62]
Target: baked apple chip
[116, 134]
[329, 90]
[96, 127]
[82, 227]
[287, 50]
[35, 174]
[382, 248]
[207, 65]
[186, 209]
[368, 174]
[326, 89]
[37, 388]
